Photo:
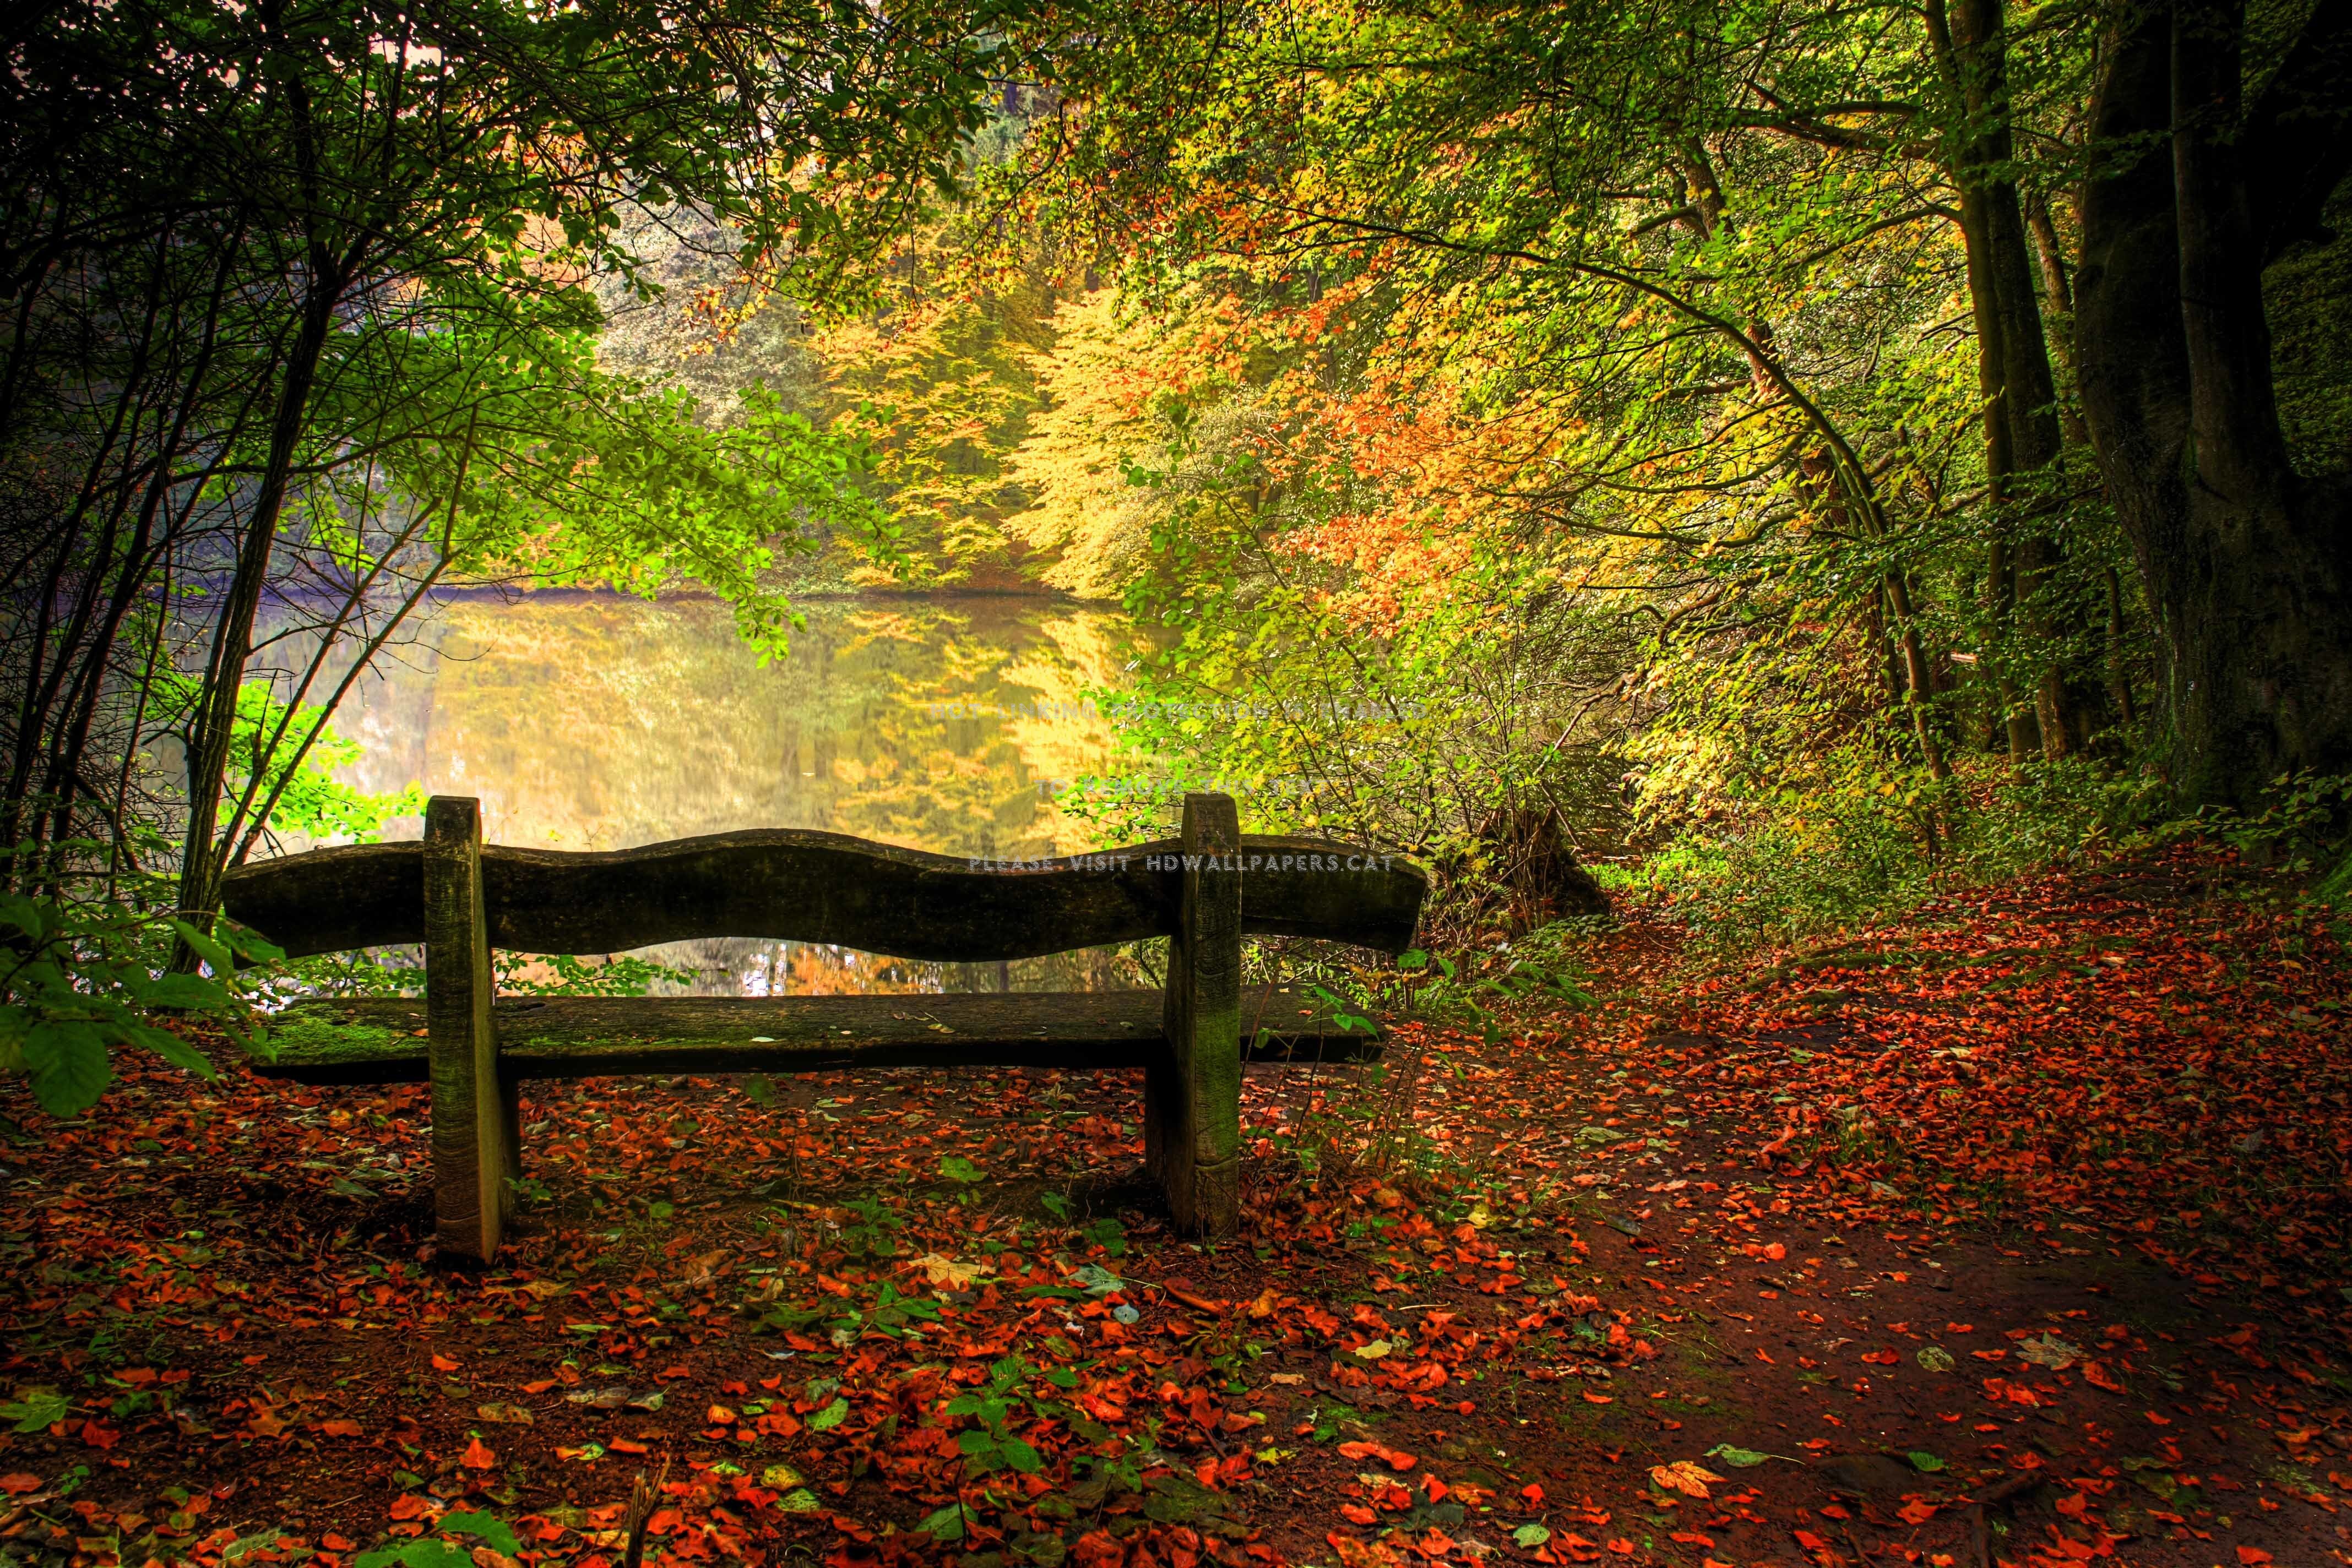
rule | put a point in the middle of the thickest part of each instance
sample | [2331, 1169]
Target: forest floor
[2010, 1233]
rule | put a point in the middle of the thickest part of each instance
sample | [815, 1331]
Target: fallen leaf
[946, 1273]
[1685, 1476]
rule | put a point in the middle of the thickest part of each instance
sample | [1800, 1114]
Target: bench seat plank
[383, 1041]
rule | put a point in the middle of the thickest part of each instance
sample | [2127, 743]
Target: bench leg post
[1192, 1098]
[474, 1150]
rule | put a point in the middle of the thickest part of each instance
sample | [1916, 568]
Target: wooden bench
[1204, 891]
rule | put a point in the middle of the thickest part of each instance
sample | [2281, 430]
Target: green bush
[1867, 841]
[81, 978]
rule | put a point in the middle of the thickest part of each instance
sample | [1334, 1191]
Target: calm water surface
[597, 722]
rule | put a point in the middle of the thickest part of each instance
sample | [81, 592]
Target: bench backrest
[788, 884]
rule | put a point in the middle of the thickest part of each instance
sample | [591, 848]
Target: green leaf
[26, 915]
[1738, 1459]
[1926, 1462]
[36, 1412]
[1531, 1536]
[174, 1049]
[491, 1532]
[955, 1167]
[429, 1552]
[190, 992]
[252, 945]
[1021, 1456]
[832, 1416]
[67, 1066]
[944, 1524]
[214, 953]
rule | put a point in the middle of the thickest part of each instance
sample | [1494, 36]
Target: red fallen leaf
[476, 1457]
[1917, 1513]
[1389, 1457]
[408, 1505]
[624, 1446]
[1356, 1514]
[338, 1430]
[18, 1483]
[443, 1363]
[2073, 1505]
[539, 1386]
[2097, 1375]
[1810, 1541]
[1354, 1554]
[1693, 1538]
[2249, 1555]
[97, 1435]
[1593, 1398]
[664, 1521]
[334, 1542]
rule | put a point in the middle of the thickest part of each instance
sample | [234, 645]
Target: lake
[594, 721]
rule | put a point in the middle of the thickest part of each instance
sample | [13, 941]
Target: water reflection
[594, 721]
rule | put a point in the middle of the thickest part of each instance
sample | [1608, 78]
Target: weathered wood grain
[1191, 1095]
[475, 1150]
[793, 885]
[382, 1041]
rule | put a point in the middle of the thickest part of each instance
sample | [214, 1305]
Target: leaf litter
[2038, 1222]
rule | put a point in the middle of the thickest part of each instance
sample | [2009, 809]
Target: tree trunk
[2248, 565]
[2022, 436]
